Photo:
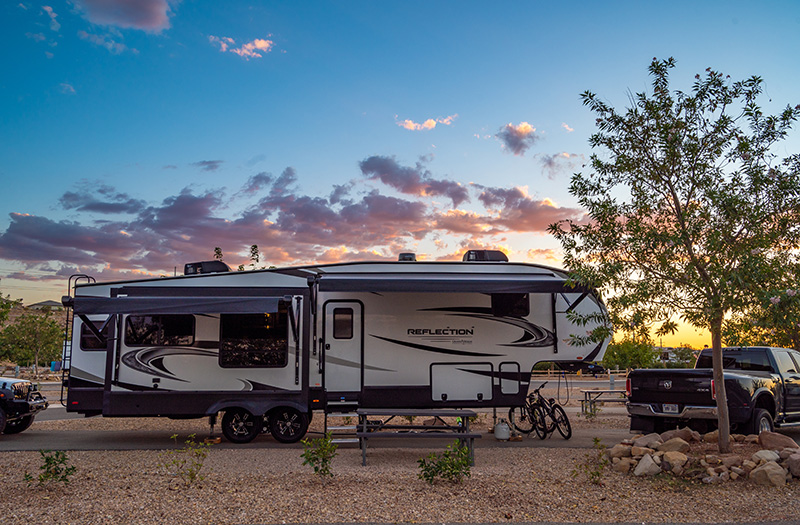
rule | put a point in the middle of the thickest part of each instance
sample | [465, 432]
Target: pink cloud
[147, 15]
[113, 47]
[427, 124]
[252, 49]
[517, 139]
[54, 25]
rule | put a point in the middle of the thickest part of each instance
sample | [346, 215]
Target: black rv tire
[562, 422]
[240, 426]
[761, 421]
[287, 424]
[521, 418]
[2, 420]
[19, 425]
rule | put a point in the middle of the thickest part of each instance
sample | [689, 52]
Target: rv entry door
[342, 346]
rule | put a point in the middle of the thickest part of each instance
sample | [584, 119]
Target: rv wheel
[287, 424]
[240, 426]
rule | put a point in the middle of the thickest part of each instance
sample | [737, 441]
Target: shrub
[453, 465]
[187, 462]
[53, 469]
[594, 464]
[319, 453]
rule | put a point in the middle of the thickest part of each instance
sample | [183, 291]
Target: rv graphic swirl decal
[533, 336]
[151, 360]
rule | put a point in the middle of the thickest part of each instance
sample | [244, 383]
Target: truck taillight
[713, 390]
[628, 386]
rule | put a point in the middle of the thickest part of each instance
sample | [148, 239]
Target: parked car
[762, 386]
[20, 401]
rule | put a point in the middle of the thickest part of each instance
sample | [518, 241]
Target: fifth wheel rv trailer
[273, 346]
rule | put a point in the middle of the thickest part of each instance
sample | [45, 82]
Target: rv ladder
[66, 356]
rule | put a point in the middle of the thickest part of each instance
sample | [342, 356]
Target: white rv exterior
[281, 343]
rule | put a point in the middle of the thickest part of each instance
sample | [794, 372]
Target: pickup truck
[20, 400]
[762, 385]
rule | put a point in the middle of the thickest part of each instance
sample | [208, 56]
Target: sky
[138, 135]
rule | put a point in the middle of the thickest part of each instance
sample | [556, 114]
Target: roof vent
[484, 255]
[205, 267]
[407, 257]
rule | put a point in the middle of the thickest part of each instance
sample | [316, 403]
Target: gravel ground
[272, 486]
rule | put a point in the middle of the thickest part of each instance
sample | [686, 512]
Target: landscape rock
[732, 461]
[675, 459]
[785, 453]
[738, 471]
[675, 444]
[763, 456]
[711, 437]
[752, 438]
[641, 451]
[685, 434]
[711, 479]
[748, 465]
[770, 473]
[619, 451]
[623, 465]
[647, 467]
[649, 441]
[793, 464]
[774, 441]
[739, 438]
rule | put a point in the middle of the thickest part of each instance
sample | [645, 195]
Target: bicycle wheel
[540, 421]
[562, 422]
[521, 419]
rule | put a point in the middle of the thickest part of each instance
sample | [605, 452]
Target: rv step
[344, 440]
[346, 427]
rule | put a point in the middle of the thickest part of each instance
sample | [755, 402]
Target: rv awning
[173, 305]
[507, 283]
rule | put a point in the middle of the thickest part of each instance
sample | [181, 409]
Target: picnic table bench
[592, 397]
[391, 428]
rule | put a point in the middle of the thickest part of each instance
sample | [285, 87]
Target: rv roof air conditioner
[407, 257]
[484, 255]
[205, 267]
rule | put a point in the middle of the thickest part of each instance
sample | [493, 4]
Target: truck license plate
[669, 408]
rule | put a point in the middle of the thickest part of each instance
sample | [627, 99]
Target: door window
[342, 323]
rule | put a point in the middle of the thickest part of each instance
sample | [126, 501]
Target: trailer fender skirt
[258, 408]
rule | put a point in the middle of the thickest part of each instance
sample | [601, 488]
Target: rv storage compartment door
[461, 382]
[509, 378]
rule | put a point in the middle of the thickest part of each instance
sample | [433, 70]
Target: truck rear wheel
[761, 421]
[18, 425]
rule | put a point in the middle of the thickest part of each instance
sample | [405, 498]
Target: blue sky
[137, 136]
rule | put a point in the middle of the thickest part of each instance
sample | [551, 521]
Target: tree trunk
[723, 418]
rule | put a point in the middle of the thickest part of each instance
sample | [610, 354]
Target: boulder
[770, 473]
[785, 453]
[641, 451]
[675, 459]
[646, 467]
[711, 437]
[748, 465]
[732, 461]
[793, 464]
[619, 451]
[739, 438]
[765, 456]
[774, 441]
[649, 441]
[738, 471]
[752, 438]
[675, 444]
[685, 434]
[623, 465]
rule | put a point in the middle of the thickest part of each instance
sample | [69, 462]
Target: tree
[630, 354]
[690, 212]
[218, 253]
[6, 304]
[774, 321]
[35, 337]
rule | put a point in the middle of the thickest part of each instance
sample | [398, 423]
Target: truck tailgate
[681, 386]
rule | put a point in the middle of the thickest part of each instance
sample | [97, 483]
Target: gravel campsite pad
[273, 486]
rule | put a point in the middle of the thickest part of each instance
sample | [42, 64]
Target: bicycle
[541, 415]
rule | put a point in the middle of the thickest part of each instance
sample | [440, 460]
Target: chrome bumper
[688, 412]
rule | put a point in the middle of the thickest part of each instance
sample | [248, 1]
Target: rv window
[89, 341]
[510, 305]
[254, 340]
[342, 323]
[159, 330]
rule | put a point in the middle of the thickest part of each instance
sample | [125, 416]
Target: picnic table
[592, 397]
[394, 428]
